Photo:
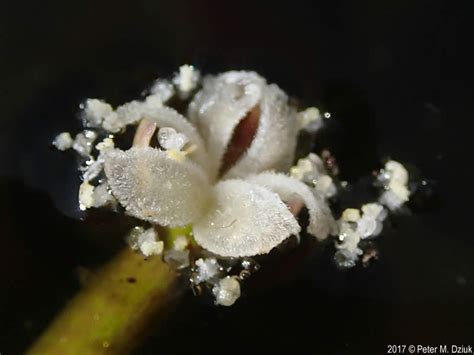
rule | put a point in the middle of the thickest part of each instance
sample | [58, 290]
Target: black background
[395, 76]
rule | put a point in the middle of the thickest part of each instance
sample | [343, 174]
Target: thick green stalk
[112, 313]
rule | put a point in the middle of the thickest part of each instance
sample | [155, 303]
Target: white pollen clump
[349, 242]
[399, 190]
[96, 111]
[86, 192]
[350, 215]
[92, 169]
[151, 247]
[186, 80]
[303, 167]
[394, 176]
[206, 269]
[145, 241]
[227, 291]
[371, 222]
[63, 141]
[163, 89]
[311, 171]
[367, 227]
[155, 188]
[374, 210]
[397, 172]
[153, 101]
[355, 226]
[102, 197]
[180, 243]
[391, 200]
[105, 144]
[325, 185]
[169, 139]
[310, 119]
[83, 143]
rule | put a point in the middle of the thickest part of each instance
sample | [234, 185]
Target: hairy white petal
[275, 140]
[155, 188]
[246, 220]
[321, 221]
[220, 105]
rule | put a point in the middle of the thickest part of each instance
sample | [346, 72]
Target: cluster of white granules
[186, 171]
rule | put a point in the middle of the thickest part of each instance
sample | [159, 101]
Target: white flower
[237, 211]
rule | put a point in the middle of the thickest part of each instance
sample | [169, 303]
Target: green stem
[111, 314]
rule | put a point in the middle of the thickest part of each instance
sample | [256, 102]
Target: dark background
[394, 74]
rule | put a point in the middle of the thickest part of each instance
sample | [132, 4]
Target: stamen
[144, 133]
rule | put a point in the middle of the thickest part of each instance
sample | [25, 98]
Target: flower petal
[246, 220]
[321, 221]
[155, 188]
[275, 141]
[220, 105]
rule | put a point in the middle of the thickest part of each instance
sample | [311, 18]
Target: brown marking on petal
[295, 204]
[241, 139]
[144, 133]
